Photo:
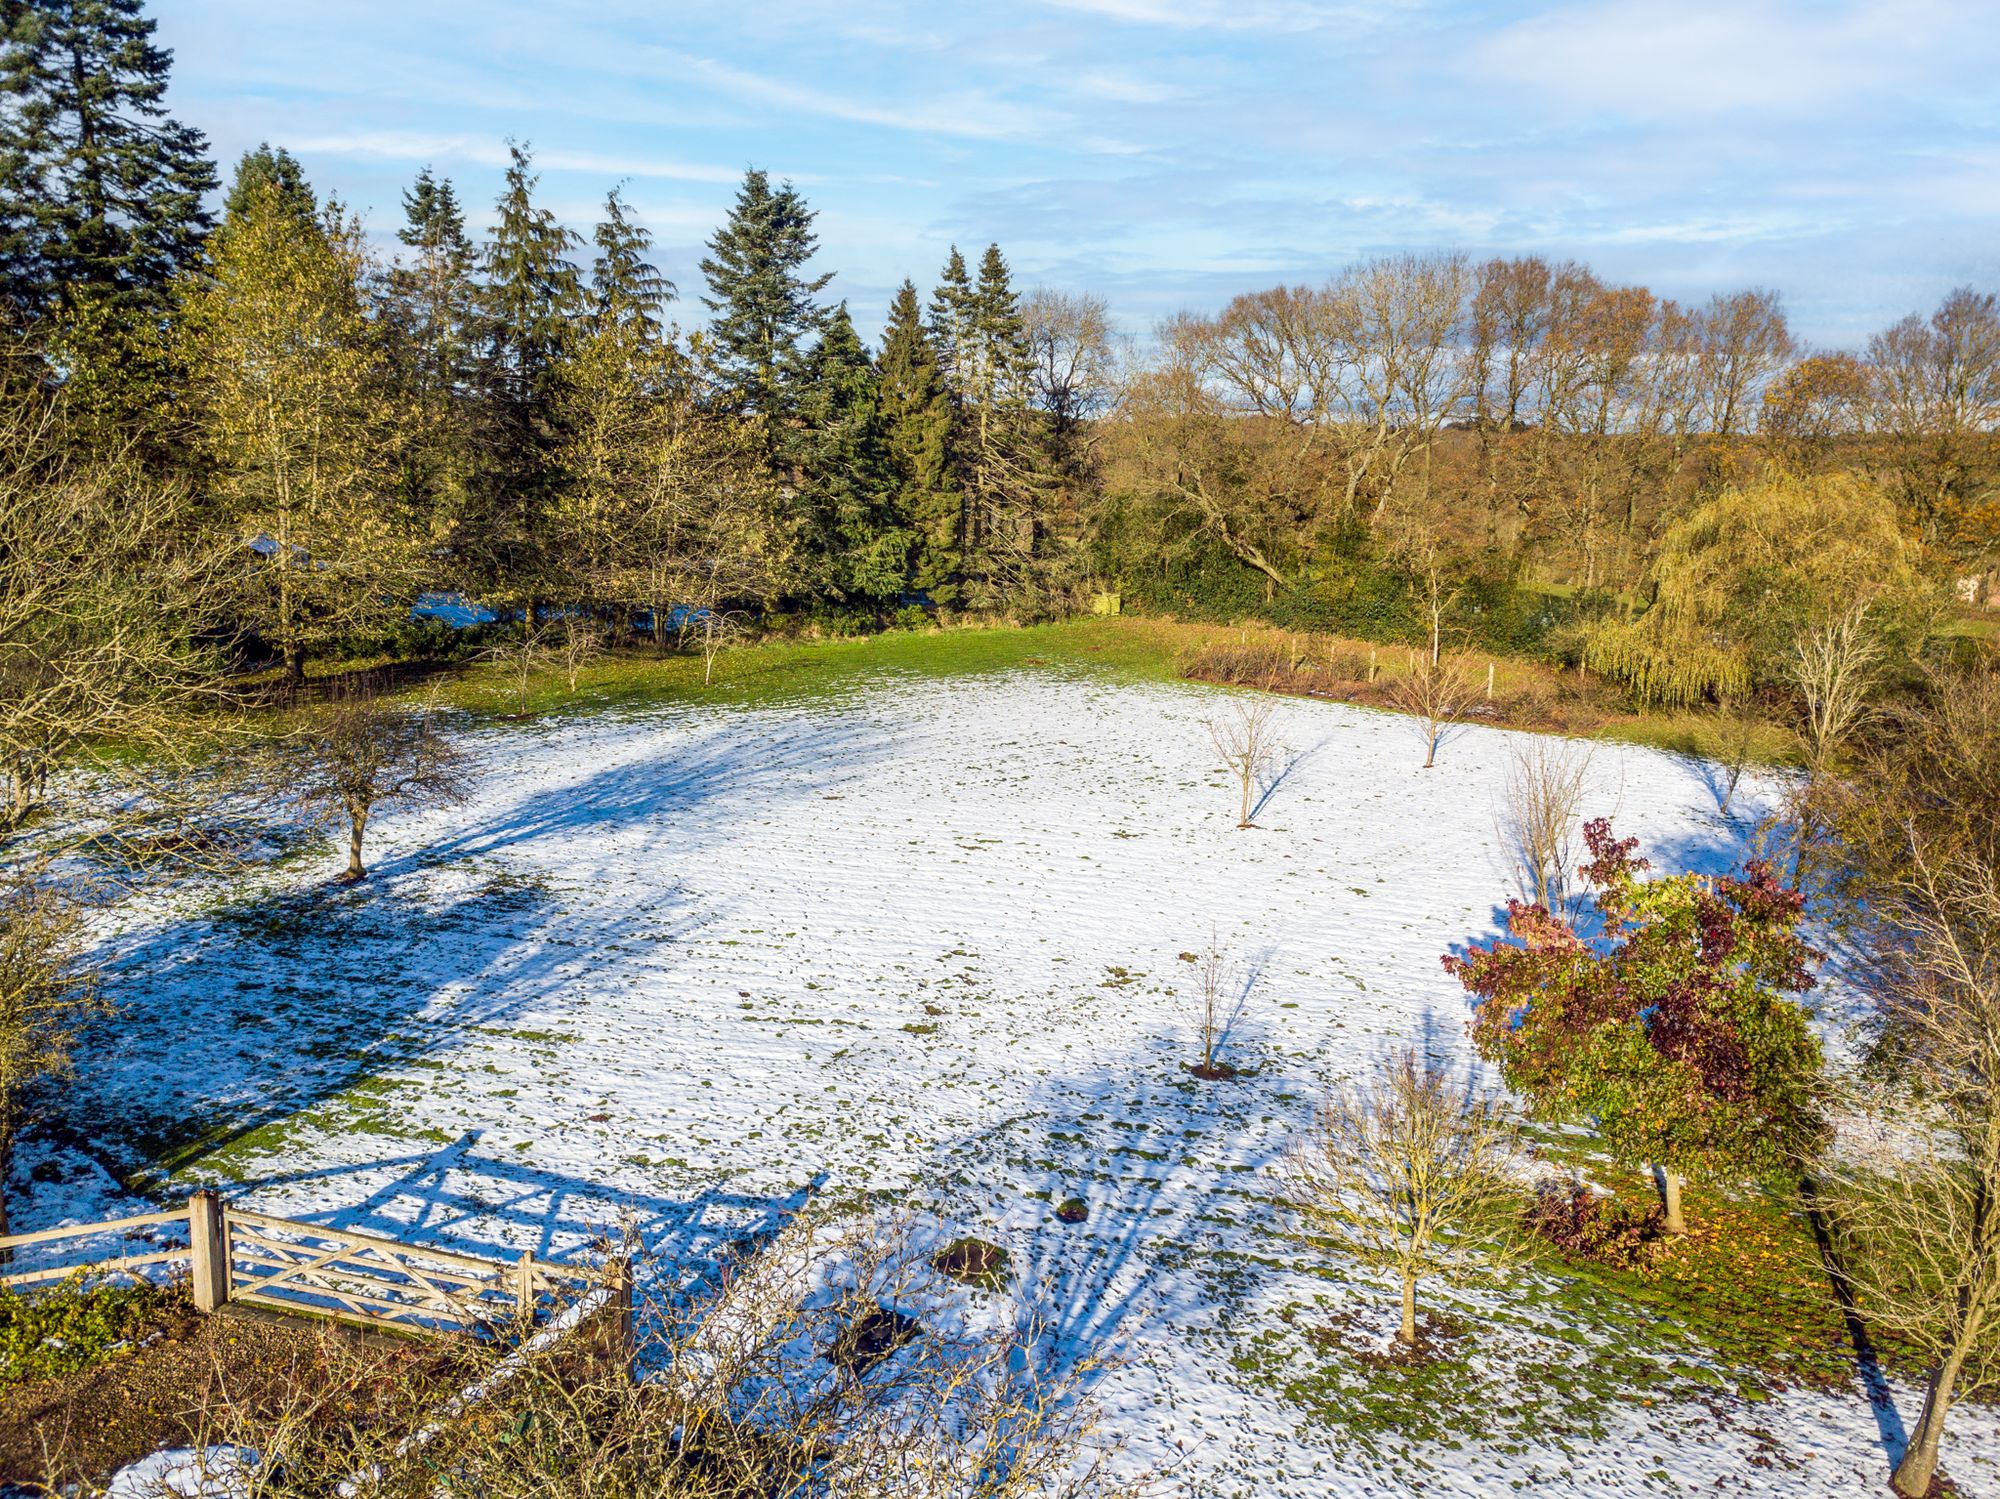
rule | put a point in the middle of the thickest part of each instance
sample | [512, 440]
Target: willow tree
[292, 388]
[1744, 576]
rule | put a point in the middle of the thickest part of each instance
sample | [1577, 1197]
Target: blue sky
[1169, 153]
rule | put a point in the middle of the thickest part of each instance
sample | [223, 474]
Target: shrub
[1675, 1038]
[73, 1324]
[1585, 1225]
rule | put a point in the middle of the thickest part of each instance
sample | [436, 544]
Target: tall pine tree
[856, 552]
[100, 188]
[626, 288]
[431, 312]
[272, 170]
[952, 314]
[915, 417]
[533, 299]
[763, 300]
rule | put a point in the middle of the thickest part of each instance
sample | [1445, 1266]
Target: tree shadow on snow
[234, 1022]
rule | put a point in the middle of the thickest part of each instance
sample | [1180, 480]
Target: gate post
[208, 1244]
[524, 1291]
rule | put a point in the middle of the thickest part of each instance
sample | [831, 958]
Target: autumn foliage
[1674, 1033]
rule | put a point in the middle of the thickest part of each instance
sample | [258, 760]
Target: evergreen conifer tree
[532, 298]
[625, 286]
[999, 336]
[277, 172]
[915, 418]
[857, 551]
[100, 188]
[761, 295]
[432, 314]
[952, 314]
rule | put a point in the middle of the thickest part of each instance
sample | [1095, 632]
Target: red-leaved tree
[1673, 1035]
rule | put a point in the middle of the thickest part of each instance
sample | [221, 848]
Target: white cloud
[396, 145]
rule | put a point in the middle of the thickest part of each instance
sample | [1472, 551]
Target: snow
[187, 1473]
[680, 971]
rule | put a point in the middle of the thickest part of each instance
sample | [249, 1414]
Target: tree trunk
[6, 1170]
[1669, 1184]
[1243, 821]
[359, 822]
[1430, 750]
[1913, 1473]
[295, 663]
[1407, 1334]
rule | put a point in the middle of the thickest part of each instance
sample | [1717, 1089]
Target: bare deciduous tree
[1834, 668]
[1213, 1002]
[1921, 1238]
[47, 991]
[517, 658]
[580, 639]
[1435, 694]
[360, 751]
[106, 575]
[1247, 740]
[1541, 814]
[1410, 1171]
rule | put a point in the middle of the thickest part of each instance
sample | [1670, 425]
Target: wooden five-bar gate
[236, 1257]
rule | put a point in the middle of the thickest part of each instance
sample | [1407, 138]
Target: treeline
[518, 417]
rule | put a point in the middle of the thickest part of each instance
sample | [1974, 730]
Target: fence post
[618, 1335]
[524, 1289]
[208, 1247]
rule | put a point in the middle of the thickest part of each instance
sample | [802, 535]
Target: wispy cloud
[395, 145]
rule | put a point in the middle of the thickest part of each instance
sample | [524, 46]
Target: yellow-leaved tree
[298, 428]
[1742, 577]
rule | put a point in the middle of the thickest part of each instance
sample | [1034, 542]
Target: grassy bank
[1136, 649]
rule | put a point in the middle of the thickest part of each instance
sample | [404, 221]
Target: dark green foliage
[858, 550]
[914, 416]
[625, 287]
[532, 298]
[763, 300]
[952, 314]
[430, 314]
[100, 188]
[277, 172]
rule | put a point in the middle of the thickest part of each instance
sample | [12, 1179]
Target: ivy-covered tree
[1675, 1037]
[914, 415]
[100, 188]
[625, 287]
[762, 298]
[532, 299]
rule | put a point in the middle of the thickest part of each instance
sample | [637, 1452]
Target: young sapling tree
[1213, 1001]
[1247, 739]
[580, 641]
[1540, 816]
[1411, 1170]
[1676, 1036]
[360, 751]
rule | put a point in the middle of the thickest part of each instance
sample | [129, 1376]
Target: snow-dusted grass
[915, 944]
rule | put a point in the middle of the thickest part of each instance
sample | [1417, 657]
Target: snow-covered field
[688, 966]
